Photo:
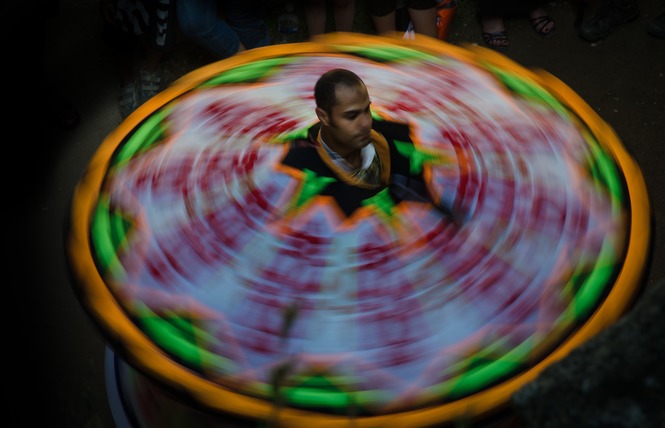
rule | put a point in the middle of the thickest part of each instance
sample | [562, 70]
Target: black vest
[303, 155]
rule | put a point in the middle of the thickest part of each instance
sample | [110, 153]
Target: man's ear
[322, 115]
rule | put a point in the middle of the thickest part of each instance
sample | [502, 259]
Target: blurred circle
[213, 269]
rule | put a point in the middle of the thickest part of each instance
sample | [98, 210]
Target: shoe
[150, 85]
[610, 14]
[657, 26]
[128, 99]
[544, 26]
[497, 39]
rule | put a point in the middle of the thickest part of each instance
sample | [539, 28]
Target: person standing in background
[236, 26]
[491, 16]
[316, 15]
[144, 25]
[605, 16]
[422, 14]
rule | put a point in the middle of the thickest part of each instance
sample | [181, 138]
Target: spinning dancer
[357, 154]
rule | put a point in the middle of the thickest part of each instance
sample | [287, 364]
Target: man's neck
[354, 157]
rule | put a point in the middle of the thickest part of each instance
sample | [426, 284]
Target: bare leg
[385, 24]
[424, 21]
[315, 15]
[492, 24]
[494, 31]
[345, 12]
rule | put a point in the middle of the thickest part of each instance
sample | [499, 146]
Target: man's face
[347, 126]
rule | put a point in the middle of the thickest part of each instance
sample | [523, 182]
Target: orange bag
[445, 12]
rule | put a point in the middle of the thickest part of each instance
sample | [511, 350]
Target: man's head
[343, 107]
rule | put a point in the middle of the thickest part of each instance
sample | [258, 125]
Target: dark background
[56, 353]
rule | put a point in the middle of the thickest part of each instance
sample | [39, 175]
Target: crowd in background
[224, 28]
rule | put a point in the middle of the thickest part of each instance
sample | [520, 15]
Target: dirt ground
[60, 354]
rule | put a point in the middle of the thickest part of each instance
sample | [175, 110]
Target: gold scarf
[374, 176]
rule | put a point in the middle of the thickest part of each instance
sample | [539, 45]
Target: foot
[657, 26]
[493, 32]
[609, 15]
[150, 86]
[542, 23]
[128, 99]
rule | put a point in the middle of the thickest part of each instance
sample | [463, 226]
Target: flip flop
[497, 39]
[540, 25]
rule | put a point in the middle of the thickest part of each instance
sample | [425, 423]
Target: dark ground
[57, 364]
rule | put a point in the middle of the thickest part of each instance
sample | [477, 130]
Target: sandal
[497, 39]
[544, 26]
[150, 85]
[128, 99]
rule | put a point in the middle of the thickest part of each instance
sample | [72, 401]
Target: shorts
[384, 7]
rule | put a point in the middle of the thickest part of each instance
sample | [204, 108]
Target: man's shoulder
[313, 131]
[392, 130]
[302, 153]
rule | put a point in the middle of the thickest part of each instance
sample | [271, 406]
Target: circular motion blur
[226, 272]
